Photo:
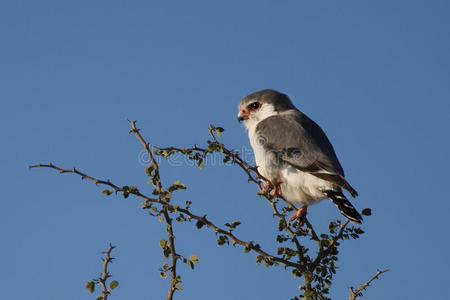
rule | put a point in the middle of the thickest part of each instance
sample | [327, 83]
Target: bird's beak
[242, 115]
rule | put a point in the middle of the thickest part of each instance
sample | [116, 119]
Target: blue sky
[374, 74]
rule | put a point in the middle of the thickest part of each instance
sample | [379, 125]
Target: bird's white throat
[264, 112]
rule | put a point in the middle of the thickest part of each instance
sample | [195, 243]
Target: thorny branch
[362, 287]
[105, 274]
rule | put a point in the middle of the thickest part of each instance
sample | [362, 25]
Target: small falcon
[294, 154]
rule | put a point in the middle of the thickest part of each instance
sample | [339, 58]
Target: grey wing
[300, 142]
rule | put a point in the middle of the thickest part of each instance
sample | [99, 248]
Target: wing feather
[298, 141]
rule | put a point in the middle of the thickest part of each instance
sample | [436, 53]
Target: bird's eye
[254, 105]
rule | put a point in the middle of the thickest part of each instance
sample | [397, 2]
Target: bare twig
[75, 171]
[362, 287]
[105, 274]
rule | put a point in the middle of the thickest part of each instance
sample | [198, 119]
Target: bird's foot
[273, 189]
[267, 187]
[277, 190]
[300, 214]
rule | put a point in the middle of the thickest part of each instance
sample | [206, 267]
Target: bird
[293, 154]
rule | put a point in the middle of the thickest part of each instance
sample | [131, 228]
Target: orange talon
[273, 189]
[266, 187]
[277, 191]
[300, 214]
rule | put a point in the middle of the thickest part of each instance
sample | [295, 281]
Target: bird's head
[262, 104]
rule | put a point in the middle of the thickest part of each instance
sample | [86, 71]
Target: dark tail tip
[344, 206]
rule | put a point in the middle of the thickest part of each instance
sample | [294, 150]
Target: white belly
[303, 188]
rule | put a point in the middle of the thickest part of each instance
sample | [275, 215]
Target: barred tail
[344, 206]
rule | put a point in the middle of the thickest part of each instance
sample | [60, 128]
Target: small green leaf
[166, 252]
[163, 274]
[113, 284]
[366, 212]
[178, 287]
[149, 170]
[201, 164]
[99, 298]
[281, 224]
[222, 240]
[359, 231]
[163, 243]
[194, 258]
[90, 285]
[107, 192]
[233, 224]
[219, 131]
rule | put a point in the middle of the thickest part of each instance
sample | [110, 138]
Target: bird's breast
[266, 161]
